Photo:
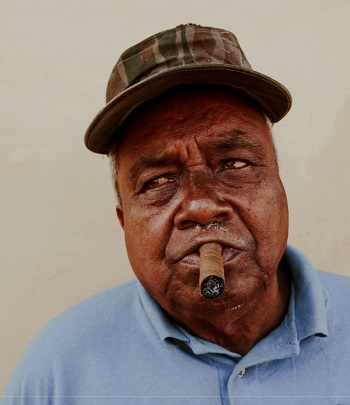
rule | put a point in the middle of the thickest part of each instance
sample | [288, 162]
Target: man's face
[197, 167]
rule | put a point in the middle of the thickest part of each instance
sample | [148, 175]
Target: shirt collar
[310, 311]
[165, 328]
[306, 314]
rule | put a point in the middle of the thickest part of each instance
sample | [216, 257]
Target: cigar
[211, 270]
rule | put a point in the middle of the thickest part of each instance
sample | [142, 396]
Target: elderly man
[187, 127]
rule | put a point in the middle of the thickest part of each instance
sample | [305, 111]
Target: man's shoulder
[303, 267]
[333, 279]
[94, 315]
[317, 287]
[95, 324]
[121, 295]
[336, 287]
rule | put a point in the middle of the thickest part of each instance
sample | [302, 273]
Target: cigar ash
[212, 286]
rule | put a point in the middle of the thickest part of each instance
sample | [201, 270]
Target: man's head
[187, 131]
[196, 166]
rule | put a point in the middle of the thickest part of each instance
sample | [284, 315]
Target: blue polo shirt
[119, 347]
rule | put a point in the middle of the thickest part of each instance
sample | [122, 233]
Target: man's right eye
[157, 182]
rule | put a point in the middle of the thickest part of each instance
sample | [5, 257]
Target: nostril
[202, 218]
[187, 224]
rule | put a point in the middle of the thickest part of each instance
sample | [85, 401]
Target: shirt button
[241, 373]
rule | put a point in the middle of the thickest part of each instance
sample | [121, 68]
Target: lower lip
[227, 255]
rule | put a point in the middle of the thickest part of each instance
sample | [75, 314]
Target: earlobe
[120, 215]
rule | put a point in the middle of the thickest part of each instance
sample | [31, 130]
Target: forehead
[201, 112]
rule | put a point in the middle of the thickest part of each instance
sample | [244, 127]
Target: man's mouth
[227, 254]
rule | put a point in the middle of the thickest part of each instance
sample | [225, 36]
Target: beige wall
[60, 241]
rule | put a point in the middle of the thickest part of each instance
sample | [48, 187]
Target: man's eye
[235, 164]
[157, 182]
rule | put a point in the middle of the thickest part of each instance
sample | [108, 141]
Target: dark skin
[197, 167]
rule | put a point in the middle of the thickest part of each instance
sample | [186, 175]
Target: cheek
[145, 241]
[146, 236]
[264, 211]
[268, 223]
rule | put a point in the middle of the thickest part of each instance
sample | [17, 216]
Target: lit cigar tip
[211, 270]
[212, 287]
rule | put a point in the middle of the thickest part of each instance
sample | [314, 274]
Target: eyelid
[146, 185]
[234, 160]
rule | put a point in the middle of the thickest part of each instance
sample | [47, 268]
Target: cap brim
[274, 99]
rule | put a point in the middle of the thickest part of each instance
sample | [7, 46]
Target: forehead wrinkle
[180, 152]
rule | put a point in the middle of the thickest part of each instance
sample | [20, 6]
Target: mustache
[210, 225]
[220, 226]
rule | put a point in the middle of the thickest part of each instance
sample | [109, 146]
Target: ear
[120, 215]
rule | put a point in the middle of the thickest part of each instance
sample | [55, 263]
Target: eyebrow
[149, 162]
[237, 139]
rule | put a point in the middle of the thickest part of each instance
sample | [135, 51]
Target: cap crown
[182, 56]
[188, 44]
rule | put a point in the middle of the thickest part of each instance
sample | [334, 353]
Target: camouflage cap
[186, 55]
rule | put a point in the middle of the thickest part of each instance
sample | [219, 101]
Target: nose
[202, 203]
